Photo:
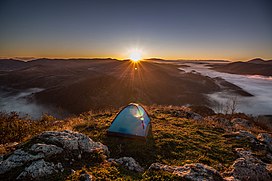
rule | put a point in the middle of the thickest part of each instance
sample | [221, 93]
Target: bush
[12, 128]
[16, 129]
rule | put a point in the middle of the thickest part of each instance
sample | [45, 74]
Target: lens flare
[135, 56]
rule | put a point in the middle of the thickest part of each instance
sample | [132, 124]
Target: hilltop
[255, 66]
[185, 143]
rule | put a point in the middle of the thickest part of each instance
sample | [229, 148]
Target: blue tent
[132, 121]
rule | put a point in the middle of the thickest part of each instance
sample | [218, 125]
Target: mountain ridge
[252, 67]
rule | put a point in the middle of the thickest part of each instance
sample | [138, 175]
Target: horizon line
[121, 59]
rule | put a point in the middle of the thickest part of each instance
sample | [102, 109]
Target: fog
[21, 102]
[259, 86]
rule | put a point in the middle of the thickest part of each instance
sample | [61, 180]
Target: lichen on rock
[248, 167]
[266, 138]
[71, 141]
[47, 150]
[40, 169]
[48, 153]
[194, 172]
[17, 159]
[128, 162]
[241, 122]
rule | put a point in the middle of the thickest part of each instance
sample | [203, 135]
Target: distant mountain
[14, 64]
[155, 59]
[260, 61]
[256, 66]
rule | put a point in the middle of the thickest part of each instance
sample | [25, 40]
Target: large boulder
[49, 153]
[128, 162]
[72, 141]
[194, 172]
[247, 167]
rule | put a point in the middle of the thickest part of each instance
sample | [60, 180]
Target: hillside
[211, 146]
[251, 67]
[78, 85]
[260, 61]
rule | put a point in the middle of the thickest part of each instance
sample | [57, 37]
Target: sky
[182, 29]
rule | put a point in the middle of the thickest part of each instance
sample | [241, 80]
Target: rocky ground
[182, 145]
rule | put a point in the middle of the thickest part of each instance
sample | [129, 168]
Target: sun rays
[135, 55]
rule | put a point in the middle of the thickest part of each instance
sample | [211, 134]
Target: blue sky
[183, 29]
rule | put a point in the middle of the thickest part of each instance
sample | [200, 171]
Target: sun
[135, 56]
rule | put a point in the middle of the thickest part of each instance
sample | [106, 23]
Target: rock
[85, 177]
[46, 150]
[17, 159]
[247, 167]
[193, 172]
[246, 134]
[194, 116]
[223, 121]
[243, 153]
[47, 153]
[237, 122]
[255, 143]
[39, 169]
[266, 138]
[242, 135]
[220, 120]
[128, 162]
[185, 113]
[176, 113]
[71, 141]
[202, 110]
[159, 166]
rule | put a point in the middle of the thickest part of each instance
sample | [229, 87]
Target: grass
[14, 129]
[173, 140]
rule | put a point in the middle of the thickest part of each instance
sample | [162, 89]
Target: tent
[132, 121]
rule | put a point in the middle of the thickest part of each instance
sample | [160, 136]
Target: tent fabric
[132, 121]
